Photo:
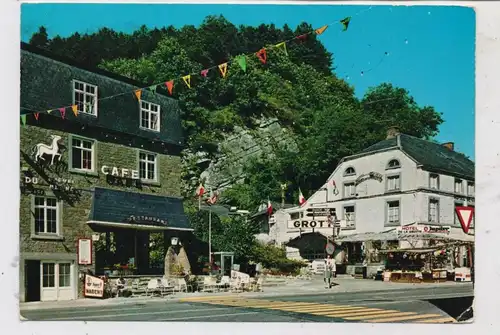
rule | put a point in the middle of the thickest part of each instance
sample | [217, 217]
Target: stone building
[108, 172]
[400, 181]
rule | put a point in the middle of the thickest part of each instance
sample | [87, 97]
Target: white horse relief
[43, 149]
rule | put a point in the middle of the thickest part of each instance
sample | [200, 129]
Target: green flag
[242, 61]
[153, 88]
[23, 119]
[345, 23]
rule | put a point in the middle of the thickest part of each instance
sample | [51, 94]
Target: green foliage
[274, 258]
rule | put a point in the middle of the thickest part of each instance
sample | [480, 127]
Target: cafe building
[400, 193]
[96, 179]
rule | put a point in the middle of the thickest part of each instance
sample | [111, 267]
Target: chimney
[449, 145]
[392, 132]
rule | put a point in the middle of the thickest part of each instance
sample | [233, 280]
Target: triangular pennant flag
[138, 94]
[242, 62]
[223, 69]
[282, 45]
[262, 55]
[170, 86]
[187, 80]
[204, 73]
[75, 109]
[302, 37]
[345, 23]
[23, 119]
[49, 111]
[89, 107]
[321, 30]
[153, 88]
[62, 110]
[37, 115]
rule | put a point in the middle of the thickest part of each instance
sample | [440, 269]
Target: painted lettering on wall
[309, 224]
[372, 175]
[150, 220]
[120, 172]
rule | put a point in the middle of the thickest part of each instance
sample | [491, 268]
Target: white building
[397, 182]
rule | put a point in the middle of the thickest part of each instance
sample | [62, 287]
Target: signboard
[419, 229]
[372, 175]
[320, 212]
[149, 220]
[465, 215]
[84, 251]
[309, 224]
[94, 287]
[330, 248]
[119, 172]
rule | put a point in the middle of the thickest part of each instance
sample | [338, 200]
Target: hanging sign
[94, 287]
[309, 224]
[120, 172]
[330, 248]
[84, 251]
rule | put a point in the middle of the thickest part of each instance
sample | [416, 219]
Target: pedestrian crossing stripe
[347, 312]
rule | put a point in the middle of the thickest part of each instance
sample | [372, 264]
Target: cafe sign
[94, 287]
[148, 220]
[120, 172]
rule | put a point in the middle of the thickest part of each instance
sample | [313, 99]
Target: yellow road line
[440, 320]
[341, 314]
[377, 315]
[279, 305]
[303, 308]
[315, 307]
[405, 318]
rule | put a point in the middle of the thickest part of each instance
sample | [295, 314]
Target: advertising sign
[419, 229]
[84, 251]
[309, 224]
[94, 287]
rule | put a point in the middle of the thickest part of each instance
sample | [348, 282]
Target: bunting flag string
[62, 110]
[23, 119]
[37, 115]
[223, 69]
[241, 60]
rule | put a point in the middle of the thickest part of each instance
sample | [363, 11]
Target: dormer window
[393, 164]
[85, 97]
[349, 172]
[150, 116]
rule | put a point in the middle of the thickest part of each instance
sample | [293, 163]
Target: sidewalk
[290, 288]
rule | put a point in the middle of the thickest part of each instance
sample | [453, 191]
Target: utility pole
[283, 189]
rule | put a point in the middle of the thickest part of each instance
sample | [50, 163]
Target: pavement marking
[340, 314]
[440, 320]
[207, 316]
[213, 297]
[405, 318]
[322, 308]
[377, 315]
[140, 313]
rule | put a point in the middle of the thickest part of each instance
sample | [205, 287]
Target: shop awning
[116, 208]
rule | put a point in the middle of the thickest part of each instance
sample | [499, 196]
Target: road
[415, 305]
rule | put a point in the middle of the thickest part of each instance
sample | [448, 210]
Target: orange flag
[36, 115]
[262, 55]
[170, 86]
[138, 94]
[223, 69]
[75, 109]
[321, 30]
[187, 80]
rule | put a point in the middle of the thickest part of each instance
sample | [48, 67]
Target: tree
[40, 39]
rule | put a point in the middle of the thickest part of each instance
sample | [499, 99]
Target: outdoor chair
[257, 286]
[183, 286]
[235, 285]
[166, 287]
[224, 283]
[209, 284]
[154, 286]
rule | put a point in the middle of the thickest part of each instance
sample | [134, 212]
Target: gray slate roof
[433, 156]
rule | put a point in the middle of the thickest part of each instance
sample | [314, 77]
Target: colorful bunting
[242, 62]
[138, 94]
[37, 115]
[204, 73]
[345, 23]
[187, 80]
[49, 111]
[282, 45]
[23, 119]
[321, 30]
[153, 88]
[62, 110]
[74, 108]
[223, 69]
[302, 37]
[170, 86]
[262, 55]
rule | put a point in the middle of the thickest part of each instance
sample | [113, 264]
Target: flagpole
[210, 236]
[199, 202]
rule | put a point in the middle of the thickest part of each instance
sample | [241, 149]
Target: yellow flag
[223, 69]
[187, 80]
[75, 109]
[49, 111]
[138, 94]
[282, 45]
[321, 30]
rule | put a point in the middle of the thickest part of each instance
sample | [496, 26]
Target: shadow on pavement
[458, 308]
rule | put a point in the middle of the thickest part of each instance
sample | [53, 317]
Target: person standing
[328, 272]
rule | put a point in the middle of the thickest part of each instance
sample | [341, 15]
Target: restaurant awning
[116, 208]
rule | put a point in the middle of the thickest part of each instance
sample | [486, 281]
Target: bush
[274, 258]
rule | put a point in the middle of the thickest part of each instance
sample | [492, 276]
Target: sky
[430, 49]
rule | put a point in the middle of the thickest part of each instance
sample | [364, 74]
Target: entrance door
[32, 280]
[56, 281]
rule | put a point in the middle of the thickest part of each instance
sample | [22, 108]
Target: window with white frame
[85, 97]
[470, 189]
[393, 211]
[82, 154]
[147, 166]
[393, 183]
[434, 210]
[349, 190]
[64, 274]
[393, 164]
[349, 172]
[46, 216]
[456, 220]
[349, 216]
[434, 181]
[150, 116]
[459, 186]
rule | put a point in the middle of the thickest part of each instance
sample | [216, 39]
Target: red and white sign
[465, 215]
[94, 287]
[84, 251]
